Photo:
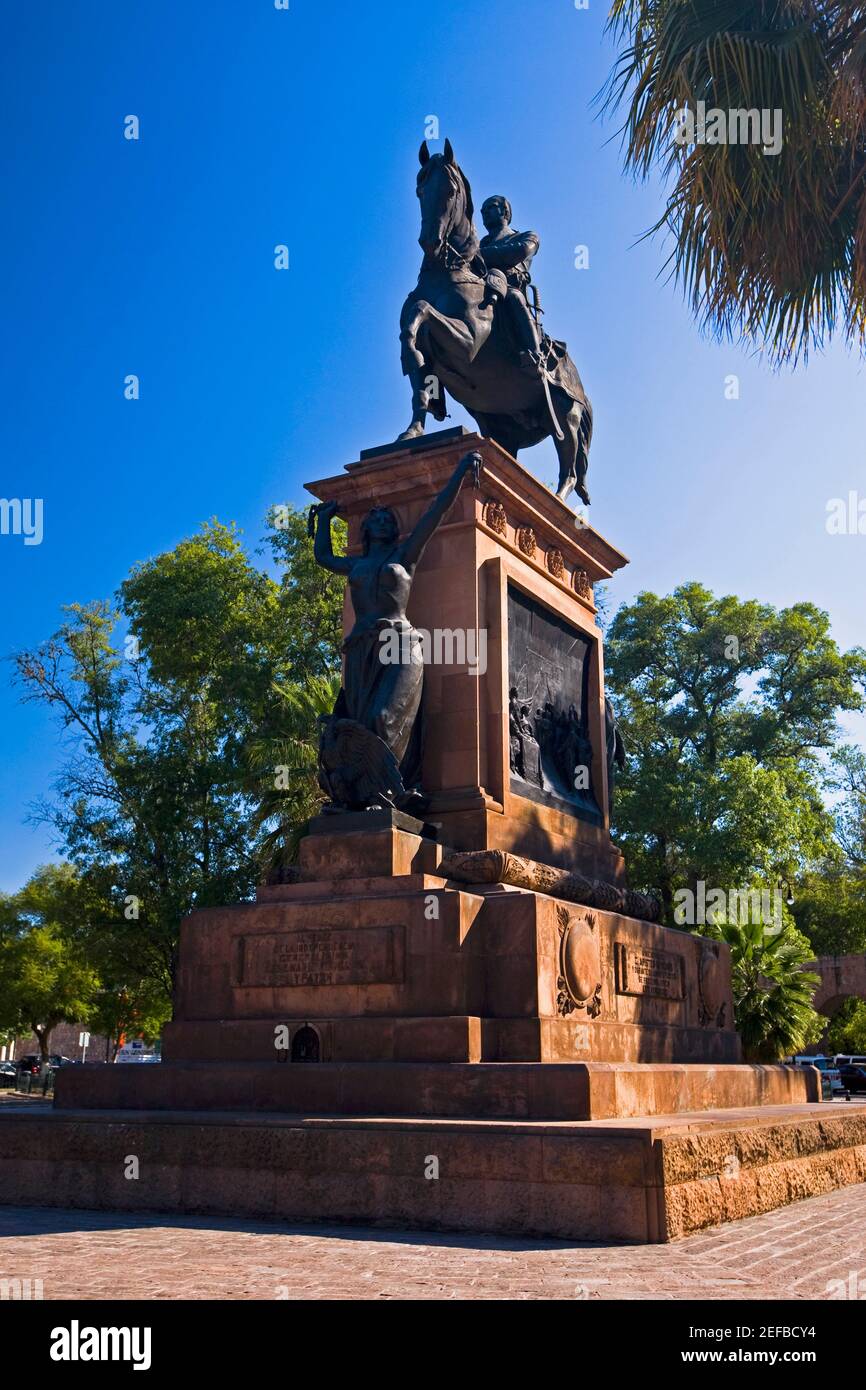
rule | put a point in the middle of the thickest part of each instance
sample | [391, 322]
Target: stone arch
[833, 1003]
[842, 977]
[306, 1045]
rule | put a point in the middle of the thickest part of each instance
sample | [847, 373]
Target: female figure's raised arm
[322, 546]
[413, 547]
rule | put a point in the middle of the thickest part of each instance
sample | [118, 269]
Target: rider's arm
[511, 251]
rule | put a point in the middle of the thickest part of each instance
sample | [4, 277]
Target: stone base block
[638, 1180]
[450, 1038]
[388, 850]
[360, 958]
[445, 1038]
[542, 1091]
[539, 832]
[455, 1038]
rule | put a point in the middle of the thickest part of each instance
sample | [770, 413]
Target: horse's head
[446, 201]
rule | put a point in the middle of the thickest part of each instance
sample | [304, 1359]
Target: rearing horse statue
[452, 339]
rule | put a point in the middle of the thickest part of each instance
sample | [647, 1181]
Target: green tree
[727, 708]
[45, 977]
[847, 1030]
[120, 1011]
[311, 597]
[160, 806]
[772, 992]
[830, 906]
[848, 778]
[770, 247]
[82, 924]
[283, 770]
[830, 910]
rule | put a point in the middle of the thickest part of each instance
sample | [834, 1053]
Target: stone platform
[621, 1180]
[567, 1071]
[481, 1090]
[573, 1071]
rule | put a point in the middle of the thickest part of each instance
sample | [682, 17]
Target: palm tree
[769, 249]
[772, 992]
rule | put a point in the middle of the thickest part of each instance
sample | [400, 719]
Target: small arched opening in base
[306, 1045]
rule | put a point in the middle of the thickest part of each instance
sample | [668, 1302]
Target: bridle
[451, 256]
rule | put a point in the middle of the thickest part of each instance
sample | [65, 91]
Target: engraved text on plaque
[645, 970]
[330, 956]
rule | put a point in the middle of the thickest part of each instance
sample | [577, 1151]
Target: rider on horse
[511, 252]
[519, 385]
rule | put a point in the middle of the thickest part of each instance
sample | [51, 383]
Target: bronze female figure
[370, 746]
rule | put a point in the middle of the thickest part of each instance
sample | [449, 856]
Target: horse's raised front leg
[452, 339]
[411, 322]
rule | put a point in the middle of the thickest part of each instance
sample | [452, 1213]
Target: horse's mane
[472, 238]
[470, 206]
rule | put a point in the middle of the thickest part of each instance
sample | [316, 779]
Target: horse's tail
[584, 439]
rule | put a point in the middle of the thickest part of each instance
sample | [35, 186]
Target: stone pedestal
[385, 960]
[573, 1068]
[378, 986]
[508, 554]
[640, 1180]
[402, 991]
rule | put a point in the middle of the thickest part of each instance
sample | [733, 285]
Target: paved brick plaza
[792, 1253]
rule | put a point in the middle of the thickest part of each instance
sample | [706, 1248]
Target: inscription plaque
[645, 970]
[329, 956]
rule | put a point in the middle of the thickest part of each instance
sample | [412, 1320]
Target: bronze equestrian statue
[467, 328]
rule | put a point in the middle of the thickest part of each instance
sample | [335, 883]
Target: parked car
[827, 1067]
[853, 1079]
[33, 1063]
[29, 1063]
[8, 1072]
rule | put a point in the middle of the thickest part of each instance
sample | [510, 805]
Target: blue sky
[155, 257]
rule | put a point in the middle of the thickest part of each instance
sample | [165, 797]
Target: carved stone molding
[712, 982]
[526, 541]
[500, 866]
[555, 562]
[494, 516]
[579, 982]
[582, 586]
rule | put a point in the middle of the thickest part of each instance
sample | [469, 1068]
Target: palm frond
[769, 249]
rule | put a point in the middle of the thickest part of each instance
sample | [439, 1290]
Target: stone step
[532, 1090]
[617, 1180]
